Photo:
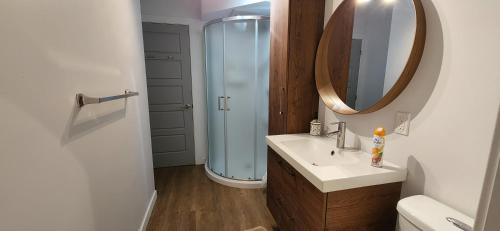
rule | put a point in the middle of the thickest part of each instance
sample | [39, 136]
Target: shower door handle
[220, 104]
[226, 103]
[223, 106]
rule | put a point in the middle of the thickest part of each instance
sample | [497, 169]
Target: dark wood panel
[294, 202]
[367, 208]
[280, 168]
[273, 206]
[339, 51]
[312, 204]
[188, 200]
[305, 28]
[275, 186]
[278, 69]
[296, 27]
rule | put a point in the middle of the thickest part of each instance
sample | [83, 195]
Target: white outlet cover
[402, 123]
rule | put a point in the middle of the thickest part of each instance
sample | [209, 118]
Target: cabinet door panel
[272, 203]
[367, 208]
[278, 69]
[311, 203]
[297, 203]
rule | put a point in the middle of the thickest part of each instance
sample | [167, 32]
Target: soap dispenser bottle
[378, 147]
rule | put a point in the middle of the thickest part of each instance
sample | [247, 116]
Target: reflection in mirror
[382, 38]
[368, 53]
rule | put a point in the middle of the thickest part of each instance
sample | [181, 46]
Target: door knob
[187, 106]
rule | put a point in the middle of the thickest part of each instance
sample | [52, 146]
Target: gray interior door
[352, 83]
[168, 72]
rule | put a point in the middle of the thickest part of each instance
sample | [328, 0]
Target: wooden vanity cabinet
[296, 204]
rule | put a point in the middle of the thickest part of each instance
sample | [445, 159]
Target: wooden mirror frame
[327, 47]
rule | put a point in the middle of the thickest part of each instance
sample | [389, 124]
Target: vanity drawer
[272, 204]
[312, 204]
[283, 210]
[367, 208]
[291, 198]
[284, 175]
[280, 184]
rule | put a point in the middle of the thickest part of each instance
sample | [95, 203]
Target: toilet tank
[424, 213]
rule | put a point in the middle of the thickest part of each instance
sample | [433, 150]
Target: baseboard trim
[149, 210]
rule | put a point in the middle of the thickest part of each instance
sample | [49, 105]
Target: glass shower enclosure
[237, 81]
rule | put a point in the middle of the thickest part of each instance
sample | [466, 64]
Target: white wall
[400, 42]
[492, 222]
[172, 8]
[489, 206]
[63, 168]
[170, 11]
[453, 99]
[211, 9]
[372, 24]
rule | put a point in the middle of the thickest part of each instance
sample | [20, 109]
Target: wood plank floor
[188, 200]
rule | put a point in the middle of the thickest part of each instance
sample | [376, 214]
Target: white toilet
[421, 213]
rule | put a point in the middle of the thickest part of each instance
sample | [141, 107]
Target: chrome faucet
[340, 134]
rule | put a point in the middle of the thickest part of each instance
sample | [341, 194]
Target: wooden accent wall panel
[278, 69]
[296, 28]
[306, 21]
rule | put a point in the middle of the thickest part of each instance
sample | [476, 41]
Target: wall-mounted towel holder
[83, 100]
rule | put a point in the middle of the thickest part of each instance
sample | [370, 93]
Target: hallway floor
[188, 200]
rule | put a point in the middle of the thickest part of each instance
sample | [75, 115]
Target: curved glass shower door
[237, 66]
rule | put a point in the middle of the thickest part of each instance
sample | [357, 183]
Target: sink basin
[317, 152]
[345, 169]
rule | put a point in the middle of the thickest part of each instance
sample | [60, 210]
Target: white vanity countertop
[311, 156]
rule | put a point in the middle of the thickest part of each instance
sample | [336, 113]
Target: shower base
[249, 184]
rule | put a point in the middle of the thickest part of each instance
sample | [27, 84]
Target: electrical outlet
[402, 123]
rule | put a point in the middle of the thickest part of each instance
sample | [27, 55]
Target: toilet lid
[429, 214]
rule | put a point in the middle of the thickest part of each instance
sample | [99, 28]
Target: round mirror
[368, 53]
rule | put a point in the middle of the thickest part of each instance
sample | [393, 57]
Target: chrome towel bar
[83, 100]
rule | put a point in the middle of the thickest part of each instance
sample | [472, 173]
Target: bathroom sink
[329, 168]
[320, 152]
